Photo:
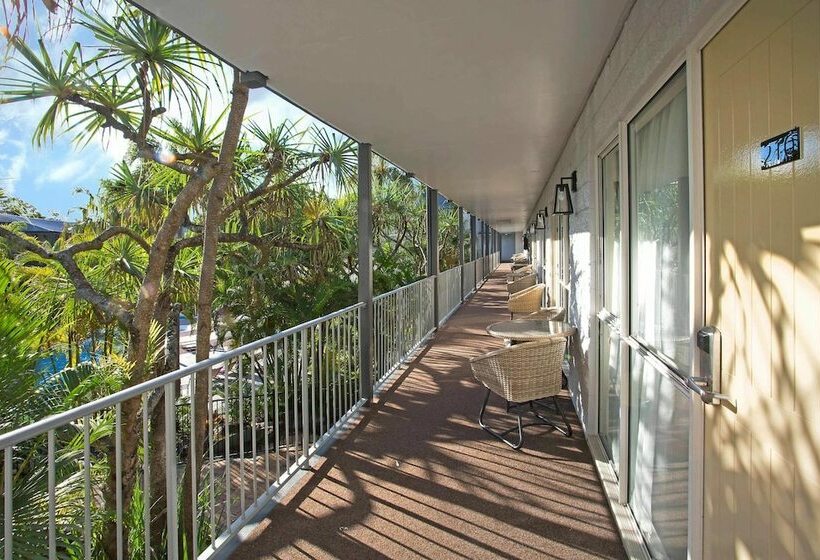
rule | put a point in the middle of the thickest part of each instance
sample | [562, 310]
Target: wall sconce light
[541, 220]
[253, 79]
[563, 199]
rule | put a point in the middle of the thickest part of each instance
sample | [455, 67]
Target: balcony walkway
[417, 477]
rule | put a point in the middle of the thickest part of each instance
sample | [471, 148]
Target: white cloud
[64, 172]
[11, 172]
[12, 160]
[114, 147]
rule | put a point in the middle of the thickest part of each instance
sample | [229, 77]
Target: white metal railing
[449, 292]
[402, 319]
[271, 403]
[469, 278]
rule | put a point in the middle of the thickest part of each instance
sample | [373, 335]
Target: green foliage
[288, 251]
[12, 205]
[21, 331]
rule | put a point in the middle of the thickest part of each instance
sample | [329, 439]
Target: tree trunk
[204, 325]
[157, 480]
[168, 314]
[138, 339]
[172, 338]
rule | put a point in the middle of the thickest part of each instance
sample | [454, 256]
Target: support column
[473, 238]
[460, 251]
[432, 245]
[490, 240]
[478, 246]
[365, 217]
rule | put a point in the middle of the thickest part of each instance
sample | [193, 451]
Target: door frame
[697, 252]
[596, 293]
[596, 290]
[690, 56]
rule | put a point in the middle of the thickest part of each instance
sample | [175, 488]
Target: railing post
[400, 305]
[171, 470]
[473, 238]
[483, 239]
[432, 247]
[365, 221]
[305, 415]
[461, 252]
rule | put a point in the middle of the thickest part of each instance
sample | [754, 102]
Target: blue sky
[49, 177]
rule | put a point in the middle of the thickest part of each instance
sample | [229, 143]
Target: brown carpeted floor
[417, 478]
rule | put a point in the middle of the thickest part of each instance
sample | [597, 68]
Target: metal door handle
[709, 344]
[702, 387]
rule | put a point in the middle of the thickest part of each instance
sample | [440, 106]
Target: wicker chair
[548, 314]
[523, 282]
[523, 375]
[516, 274]
[526, 301]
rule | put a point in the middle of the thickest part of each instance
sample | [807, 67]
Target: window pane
[610, 401]
[659, 203]
[611, 228]
[659, 458]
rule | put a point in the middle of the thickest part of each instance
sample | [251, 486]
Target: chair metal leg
[566, 429]
[500, 435]
[568, 432]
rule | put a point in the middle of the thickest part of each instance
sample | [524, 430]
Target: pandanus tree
[448, 236]
[204, 183]
[399, 227]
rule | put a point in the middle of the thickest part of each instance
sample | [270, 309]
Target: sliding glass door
[644, 342]
[659, 320]
[609, 367]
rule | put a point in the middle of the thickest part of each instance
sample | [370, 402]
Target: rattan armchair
[523, 375]
[516, 274]
[548, 314]
[526, 301]
[523, 282]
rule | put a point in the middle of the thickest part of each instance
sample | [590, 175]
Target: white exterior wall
[655, 35]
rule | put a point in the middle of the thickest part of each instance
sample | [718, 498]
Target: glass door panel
[659, 218]
[609, 400]
[659, 320]
[611, 231]
[659, 458]
[609, 383]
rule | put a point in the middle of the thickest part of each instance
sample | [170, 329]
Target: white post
[365, 216]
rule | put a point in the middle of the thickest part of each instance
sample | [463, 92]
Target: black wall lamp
[253, 79]
[541, 220]
[563, 199]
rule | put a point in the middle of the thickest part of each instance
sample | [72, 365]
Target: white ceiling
[476, 97]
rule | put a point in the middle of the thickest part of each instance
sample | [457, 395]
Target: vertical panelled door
[762, 456]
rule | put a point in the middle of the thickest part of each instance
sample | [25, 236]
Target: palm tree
[28, 396]
[140, 69]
